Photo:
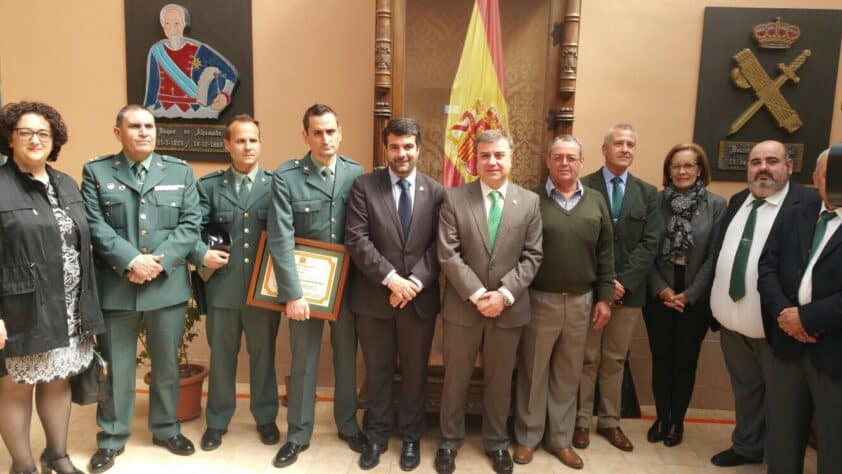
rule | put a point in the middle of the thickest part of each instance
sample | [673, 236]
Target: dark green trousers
[225, 328]
[118, 345]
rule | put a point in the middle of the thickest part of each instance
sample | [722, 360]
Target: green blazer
[303, 206]
[221, 209]
[636, 234]
[160, 218]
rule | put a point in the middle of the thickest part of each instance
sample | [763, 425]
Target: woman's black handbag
[92, 384]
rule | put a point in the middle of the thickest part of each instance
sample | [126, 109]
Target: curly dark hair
[12, 113]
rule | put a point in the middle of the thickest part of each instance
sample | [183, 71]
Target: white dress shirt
[743, 316]
[805, 290]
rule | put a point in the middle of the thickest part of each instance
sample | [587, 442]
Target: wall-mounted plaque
[766, 74]
[190, 64]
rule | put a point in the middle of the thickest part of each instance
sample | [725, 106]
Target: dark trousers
[409, 338]
[796, 389]
[675, 339]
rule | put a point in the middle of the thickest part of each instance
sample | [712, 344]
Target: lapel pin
[420, 188]
[117, 162]
[122, 187]
[514, 201]
[110, 186]
[225, 181]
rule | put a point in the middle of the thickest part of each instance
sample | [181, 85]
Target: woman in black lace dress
[49, 309]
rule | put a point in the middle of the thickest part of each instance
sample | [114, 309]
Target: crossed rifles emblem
[749, 74]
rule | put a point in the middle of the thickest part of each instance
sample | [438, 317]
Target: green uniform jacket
[221, 210]
[636, 234]
[161, 218]
[303, 206]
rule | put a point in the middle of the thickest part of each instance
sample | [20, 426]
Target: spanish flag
[477, 100]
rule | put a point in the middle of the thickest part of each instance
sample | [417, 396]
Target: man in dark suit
[236, 201]
[143, 211]
[636, 213]
[309, 197]
[801, 296]
[489, 247]
[735, 301]
[390, 232]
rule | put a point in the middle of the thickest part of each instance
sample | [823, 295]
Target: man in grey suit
[143, 211]
[489, 247]
[636, 213]
[309, 197]
[236, 201]
[390, 233]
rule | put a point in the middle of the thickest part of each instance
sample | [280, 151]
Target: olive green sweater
[578, 247]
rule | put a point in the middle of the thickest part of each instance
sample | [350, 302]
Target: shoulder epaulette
[212, 174]
[173, 159]
[101, 157]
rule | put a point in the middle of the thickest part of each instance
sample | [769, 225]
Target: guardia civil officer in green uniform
[236, 201]
[308, 200]
[144, 216]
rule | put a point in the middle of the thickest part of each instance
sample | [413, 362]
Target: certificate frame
[333, 258]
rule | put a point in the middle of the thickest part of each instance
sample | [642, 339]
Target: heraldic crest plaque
[766, 74]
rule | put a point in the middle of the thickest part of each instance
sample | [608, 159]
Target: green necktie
[327, 175]
[738, 272]
[243, 196]
[821, 228]
[139, 173]
[494, 215]
[616, 197]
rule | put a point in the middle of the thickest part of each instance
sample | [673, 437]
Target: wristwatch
[506, 300]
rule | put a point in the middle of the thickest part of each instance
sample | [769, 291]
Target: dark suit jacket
[376, 244]
[469, 262]
[700, 259]
[796, 194]
[781, 268]
[636, 234]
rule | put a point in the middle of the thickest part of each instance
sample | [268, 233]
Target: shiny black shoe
[370, 457]
[103, 459]
[674, 435]
[656, 432]
[357, 442]
[730, 458]
[48, 466]
[178, 444]
[501, 461]
[445, 461]
[212, 439]
[288, 454]
[269, 433]
[410, 455]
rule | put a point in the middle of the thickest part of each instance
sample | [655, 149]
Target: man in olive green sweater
[578, 269]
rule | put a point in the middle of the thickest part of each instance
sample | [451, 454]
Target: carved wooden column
[383, 55]
[562, 66]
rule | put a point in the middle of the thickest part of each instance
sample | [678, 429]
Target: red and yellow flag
[477, 100]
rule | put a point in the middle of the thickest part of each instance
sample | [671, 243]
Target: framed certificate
[322, 268]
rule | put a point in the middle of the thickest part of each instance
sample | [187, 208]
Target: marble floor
[707, 433]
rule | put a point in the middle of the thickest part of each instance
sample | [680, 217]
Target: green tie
[139, 173]
[738, 272]
[327, 176]
[821, 227]
[494, 215]
[244, 191]
[616, 197]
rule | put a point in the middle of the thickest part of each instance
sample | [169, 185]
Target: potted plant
[191, 375]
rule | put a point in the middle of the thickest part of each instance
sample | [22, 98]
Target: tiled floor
[241, 450]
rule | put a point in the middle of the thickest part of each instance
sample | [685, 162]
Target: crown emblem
[776, 34]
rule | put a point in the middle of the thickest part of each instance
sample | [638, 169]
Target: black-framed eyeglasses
[44, 136]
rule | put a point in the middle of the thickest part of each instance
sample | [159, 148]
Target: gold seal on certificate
[321, 267]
